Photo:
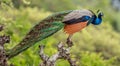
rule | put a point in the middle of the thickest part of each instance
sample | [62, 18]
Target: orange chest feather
[70, 29]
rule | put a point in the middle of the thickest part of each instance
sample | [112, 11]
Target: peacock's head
[98, 19]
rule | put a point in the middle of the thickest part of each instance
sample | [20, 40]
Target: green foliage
[93, 59]
[50, 5]
[102, 43]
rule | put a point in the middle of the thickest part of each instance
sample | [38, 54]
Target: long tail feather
[44, 29]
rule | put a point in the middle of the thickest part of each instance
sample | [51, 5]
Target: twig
[63, 53]
[3, 39]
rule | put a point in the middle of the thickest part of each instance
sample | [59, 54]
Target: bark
[3, 39]
[63, 53]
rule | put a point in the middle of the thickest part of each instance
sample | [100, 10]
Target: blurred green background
[93, 46]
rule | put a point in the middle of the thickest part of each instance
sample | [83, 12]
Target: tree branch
[3, 39]
[63, 53]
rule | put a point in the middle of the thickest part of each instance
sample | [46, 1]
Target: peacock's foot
[69, 42]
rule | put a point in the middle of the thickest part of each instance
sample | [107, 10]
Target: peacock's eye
[101, 14]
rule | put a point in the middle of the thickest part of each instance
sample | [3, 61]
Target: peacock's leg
[69, 41]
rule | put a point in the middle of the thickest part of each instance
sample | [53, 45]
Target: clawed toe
[69, 42]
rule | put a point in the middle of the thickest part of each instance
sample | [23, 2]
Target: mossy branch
[3, 39]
